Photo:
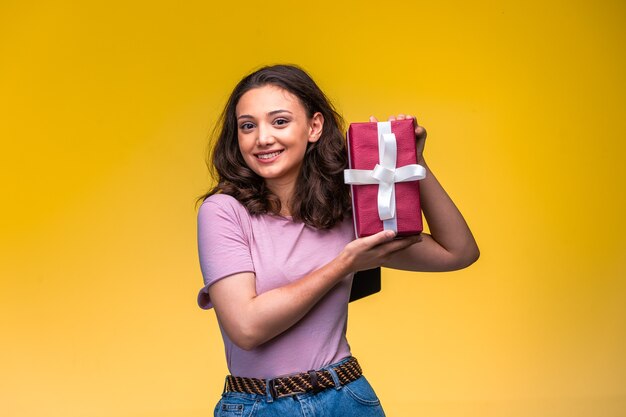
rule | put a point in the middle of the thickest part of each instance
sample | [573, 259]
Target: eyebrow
[273, 112]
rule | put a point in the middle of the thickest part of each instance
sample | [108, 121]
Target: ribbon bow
[385, 174]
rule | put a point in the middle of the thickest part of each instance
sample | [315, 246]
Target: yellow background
[105, 111]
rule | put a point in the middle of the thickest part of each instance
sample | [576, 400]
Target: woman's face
[273, 133]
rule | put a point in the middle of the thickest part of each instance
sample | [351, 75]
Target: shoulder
[221, 204]
[223, 200]
[223, 213]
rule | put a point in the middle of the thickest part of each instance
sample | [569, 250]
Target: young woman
[278, 252]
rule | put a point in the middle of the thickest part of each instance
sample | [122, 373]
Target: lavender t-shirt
[278, 251]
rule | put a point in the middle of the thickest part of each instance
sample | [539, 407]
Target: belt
[296, 384]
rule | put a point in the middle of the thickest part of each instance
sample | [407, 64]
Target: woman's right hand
[373, 251]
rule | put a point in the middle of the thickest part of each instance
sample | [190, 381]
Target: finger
[399, 244]
[392, 118]
[401, 117]
[373, 119]
[382, 252]
[402, 242]
[379, 238]
[420, 132]
[408, 241]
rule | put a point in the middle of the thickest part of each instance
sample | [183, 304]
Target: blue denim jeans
[356, 398]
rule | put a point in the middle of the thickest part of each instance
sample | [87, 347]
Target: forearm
[250, 319]
[446, 223]
[450, 244]
[271, 313]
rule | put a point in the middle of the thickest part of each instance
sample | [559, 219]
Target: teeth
[268, 155]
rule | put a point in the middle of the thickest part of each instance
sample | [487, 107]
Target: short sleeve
[223, 242]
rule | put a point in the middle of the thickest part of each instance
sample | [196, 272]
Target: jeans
[356, 398]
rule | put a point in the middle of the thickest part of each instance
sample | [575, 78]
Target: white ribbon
[385, 174]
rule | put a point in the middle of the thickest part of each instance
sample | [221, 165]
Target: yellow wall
[105, 110]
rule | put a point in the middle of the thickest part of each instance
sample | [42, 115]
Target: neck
[284, 191]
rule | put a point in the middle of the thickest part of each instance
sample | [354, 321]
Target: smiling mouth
[269, 155]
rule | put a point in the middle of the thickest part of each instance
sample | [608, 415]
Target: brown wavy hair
[321, 198]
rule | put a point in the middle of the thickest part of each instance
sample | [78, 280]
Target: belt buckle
[274, 392]
[272, 385]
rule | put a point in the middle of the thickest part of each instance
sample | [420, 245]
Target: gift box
[384, 177]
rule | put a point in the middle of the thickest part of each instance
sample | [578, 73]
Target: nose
[265, 136]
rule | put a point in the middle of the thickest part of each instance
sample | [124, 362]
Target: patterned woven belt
[296, 384]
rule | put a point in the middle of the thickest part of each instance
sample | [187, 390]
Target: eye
[246, 126]
[281, 122]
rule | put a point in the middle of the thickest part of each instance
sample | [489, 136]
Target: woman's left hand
[450, 245]
[420, 133]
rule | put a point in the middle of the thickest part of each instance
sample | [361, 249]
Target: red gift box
[384, 173]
